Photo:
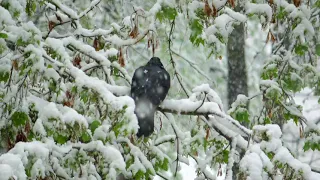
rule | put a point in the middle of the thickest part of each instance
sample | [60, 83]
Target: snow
[5, 17]
[86, 49]
[252, 165]
[235, 15]
[39, 128]
[13, 165]
[96, 32]
[38, 169]
[71, 116]
[51, 73]
[66, 9]
[284, 156]
[241, 100]
[154, 10]
[231, 159]
[6, 171]
[259, 9]
[186, 105]
[211, 94]
[219, 3]
[101, 132]
[192, 7]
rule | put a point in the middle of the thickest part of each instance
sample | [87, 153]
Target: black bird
[150, 85]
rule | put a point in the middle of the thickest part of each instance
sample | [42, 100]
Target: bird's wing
[138, 83]
[152, 83]
[157, 85]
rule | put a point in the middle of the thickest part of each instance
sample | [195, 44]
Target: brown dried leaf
[27, 128]
[120, 58]
[268, 37]
[297, 3]
[270, 113]
[273, 20]
[15, 65]
[76, 61]
[68, 94]
[215, 12]
[301, 132]
[270, 2]
[69, 103]
[273, 39]
[153, 48]
[231, 2]
[51, 25]
[207, 9]
[134, 33]
[207, 133]
[21, 137]
[195, 153]
[96, 44]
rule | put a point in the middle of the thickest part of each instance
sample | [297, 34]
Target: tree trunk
[237, 72]
[237, 81]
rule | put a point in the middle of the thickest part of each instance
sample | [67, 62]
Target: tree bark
[237, 78]
[237, 72]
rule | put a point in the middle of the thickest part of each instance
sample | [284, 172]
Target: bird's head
[155, 61]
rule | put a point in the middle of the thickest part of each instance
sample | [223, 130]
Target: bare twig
[205, 95]
[171, 58]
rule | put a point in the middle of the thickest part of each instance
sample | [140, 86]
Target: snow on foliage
[65, 75]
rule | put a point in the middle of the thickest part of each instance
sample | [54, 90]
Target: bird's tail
[146, 124]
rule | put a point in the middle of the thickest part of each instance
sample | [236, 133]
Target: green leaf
[225, 154]
[84, 96]
[129, 162]
[60, 139]
[94, 125]
[242, 115]
[317, 4]
[165, 164]
[3, 35]
[311, 145]
[270, 71]
[20, 42]
[293, 82]
[4, 76]
[19, 118]
[85, 137]
[267, 120]
[166, 13]
[139, 175]
[270, 155]
[196, 28]
[300, 49]
[318, 49]
[281, 14]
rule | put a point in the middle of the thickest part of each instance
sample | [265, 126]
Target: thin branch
[171, 58]
[205, 95]
[192, 64]
[204, 112]
[82, 14]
